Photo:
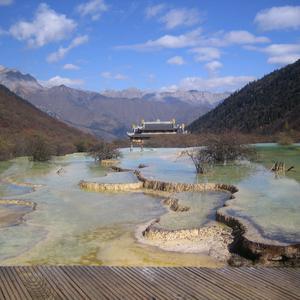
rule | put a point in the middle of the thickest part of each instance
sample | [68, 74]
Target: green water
[269, 202]
[73, 226]
[202, 210]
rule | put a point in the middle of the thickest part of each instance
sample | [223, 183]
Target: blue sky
[112, 44]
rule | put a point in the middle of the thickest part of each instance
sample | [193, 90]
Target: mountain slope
[109, 114]
[109, 117]
[20, 121]
[264, 106]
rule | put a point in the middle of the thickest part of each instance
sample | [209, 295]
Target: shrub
[220, 149]
[5, 149]
[103, 150]
[39, 149]
[200, 160]
[65, 148]
[81, 146]
[227, 147]
[285, 139]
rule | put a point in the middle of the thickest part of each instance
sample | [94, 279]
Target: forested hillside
[266, 106]
[21, 123]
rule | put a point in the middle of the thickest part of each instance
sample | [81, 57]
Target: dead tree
[279, 167]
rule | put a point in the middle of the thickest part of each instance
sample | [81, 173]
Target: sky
[211, 45]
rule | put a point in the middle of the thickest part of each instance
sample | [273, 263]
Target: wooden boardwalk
[80, 282]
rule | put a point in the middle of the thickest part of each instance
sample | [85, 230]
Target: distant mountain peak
[109, 113]
[193, 97]
[18, 82]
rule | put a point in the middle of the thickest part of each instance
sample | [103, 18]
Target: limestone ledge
[265, 252]
[119, 169]
[184, 187]
[110, 187]
[18, 202]
[33, 186]
[212, 240]
[109, 162]
[13, 218]
[174, 205]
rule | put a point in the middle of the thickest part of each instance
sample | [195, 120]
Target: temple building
[148, 130]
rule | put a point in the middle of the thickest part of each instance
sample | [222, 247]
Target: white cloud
[227, 83]
[206, 53]
[6, 2]
[62, 52]
[119, 76]
[154, 10]
[282, 49]
[280, 54]
[71, 67]
[280, 17]
[47, 26]
[233, 37]
[284, 59]
[213, 66]
[243, 37]
[93, 8]
[176, 60]
[189, 39]
[57, 80]
[109, 75]
[180, 17]
[106, 75]
[196, 39]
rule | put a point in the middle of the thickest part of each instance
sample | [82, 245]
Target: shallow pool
[73, 226]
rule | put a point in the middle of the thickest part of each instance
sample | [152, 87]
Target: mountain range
[265, 106]
[110, 113]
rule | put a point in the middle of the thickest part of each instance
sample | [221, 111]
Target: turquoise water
[72, 226]
[269, 202]
[202, 210]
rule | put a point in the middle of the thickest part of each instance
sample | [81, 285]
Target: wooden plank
[35, 284]
[97, 283]
[14, 287]
[15, 279]
[258, 286]
[8, 291]
[157, 290]
[285, 276]
[279, 284]
[283, 280]
[236, 284]
[51, 283]
[67, 284]
[175, 286]
[249, 278]
[76, 278]
[126, 285]
[200, 288]
[83, 282]
[112, 282]
[230, 285]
